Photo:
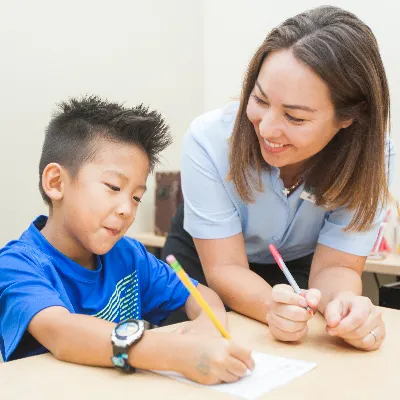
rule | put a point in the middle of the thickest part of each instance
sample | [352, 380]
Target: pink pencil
[287, 273]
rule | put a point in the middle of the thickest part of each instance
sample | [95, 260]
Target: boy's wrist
[159, 351]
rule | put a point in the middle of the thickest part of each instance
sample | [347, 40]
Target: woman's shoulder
[207, 140]
[390, 148]
[216, 124]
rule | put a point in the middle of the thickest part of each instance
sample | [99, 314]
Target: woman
[299, 162]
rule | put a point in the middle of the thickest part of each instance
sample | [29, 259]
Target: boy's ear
[53, 181]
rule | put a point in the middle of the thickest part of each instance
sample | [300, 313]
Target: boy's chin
[102, 249]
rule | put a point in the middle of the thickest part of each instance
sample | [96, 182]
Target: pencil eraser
[170, 259]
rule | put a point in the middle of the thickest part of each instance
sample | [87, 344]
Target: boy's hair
[76, 128]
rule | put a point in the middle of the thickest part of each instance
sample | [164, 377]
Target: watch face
[127, 329]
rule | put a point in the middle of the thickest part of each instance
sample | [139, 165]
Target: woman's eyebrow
[290, 106]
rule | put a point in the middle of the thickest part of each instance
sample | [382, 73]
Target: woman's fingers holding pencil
[292, 313]
[288, 325]
[313, 297]
[287, 316]
[286, 295]
[285, 336]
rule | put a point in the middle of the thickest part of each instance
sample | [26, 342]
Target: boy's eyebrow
[290, 106]
[123, 177]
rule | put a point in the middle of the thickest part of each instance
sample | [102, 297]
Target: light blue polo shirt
[214, 209]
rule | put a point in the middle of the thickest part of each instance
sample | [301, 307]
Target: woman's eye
[137, 199]
[258, 100]
[113, 188]
[290, 118]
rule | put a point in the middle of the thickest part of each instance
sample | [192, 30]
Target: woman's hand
[287, 316]
[356, 320]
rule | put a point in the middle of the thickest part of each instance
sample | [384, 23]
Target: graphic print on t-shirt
[123, 303]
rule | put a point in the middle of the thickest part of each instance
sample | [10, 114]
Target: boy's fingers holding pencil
[228, 377]
[242, 353]
[237, 368]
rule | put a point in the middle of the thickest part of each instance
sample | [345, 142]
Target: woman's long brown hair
[350, 171]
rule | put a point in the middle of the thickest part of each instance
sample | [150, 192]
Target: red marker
[287, 273]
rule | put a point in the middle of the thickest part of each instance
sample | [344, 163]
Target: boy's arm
[83, 339]
[195, 312]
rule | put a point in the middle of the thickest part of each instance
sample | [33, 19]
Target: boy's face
[99, 204]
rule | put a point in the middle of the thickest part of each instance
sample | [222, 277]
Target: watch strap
[120, 359]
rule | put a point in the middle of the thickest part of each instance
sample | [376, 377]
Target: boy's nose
[125, 209]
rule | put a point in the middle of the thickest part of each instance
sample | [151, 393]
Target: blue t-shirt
[128, 282]
[294, 224]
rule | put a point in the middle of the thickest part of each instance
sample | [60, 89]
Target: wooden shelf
[389, 265]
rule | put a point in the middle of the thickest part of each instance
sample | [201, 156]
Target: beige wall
[182, 57]
[125, 50]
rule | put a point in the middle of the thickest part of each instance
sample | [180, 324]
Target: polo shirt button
[275, 238]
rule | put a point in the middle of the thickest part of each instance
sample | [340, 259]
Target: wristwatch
[124, 335]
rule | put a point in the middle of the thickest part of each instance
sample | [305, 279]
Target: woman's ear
[346, 123]
[53, 181]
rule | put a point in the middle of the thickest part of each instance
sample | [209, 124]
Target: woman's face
[291, 111]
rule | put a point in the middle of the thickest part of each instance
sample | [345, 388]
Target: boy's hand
[286, 316]
[213, 360]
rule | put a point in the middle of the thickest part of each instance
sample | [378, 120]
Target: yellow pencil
[172, 261]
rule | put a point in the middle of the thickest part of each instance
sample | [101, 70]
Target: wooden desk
[390, 265]
[150, 239]
[342, 372]
[154, 243]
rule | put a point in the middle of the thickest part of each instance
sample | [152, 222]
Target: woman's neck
[291, 174]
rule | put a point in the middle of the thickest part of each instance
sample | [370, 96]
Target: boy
[73, 285]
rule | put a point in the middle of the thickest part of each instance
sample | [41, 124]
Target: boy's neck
[56, 234]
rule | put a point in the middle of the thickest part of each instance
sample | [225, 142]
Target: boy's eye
[112, 187]
[137, 199]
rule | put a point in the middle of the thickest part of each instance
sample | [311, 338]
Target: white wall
[125, 50]
[233, 30]
[182, 57]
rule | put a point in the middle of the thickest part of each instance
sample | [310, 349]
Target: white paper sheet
[269, 373]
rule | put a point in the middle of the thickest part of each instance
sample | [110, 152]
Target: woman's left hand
[356, 320]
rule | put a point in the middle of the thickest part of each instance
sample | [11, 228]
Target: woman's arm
[227, 271]
[334, 271]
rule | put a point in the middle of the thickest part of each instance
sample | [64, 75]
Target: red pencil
[287, 273]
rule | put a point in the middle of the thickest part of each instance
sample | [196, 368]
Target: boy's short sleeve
[161, 289]
[24, 291]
